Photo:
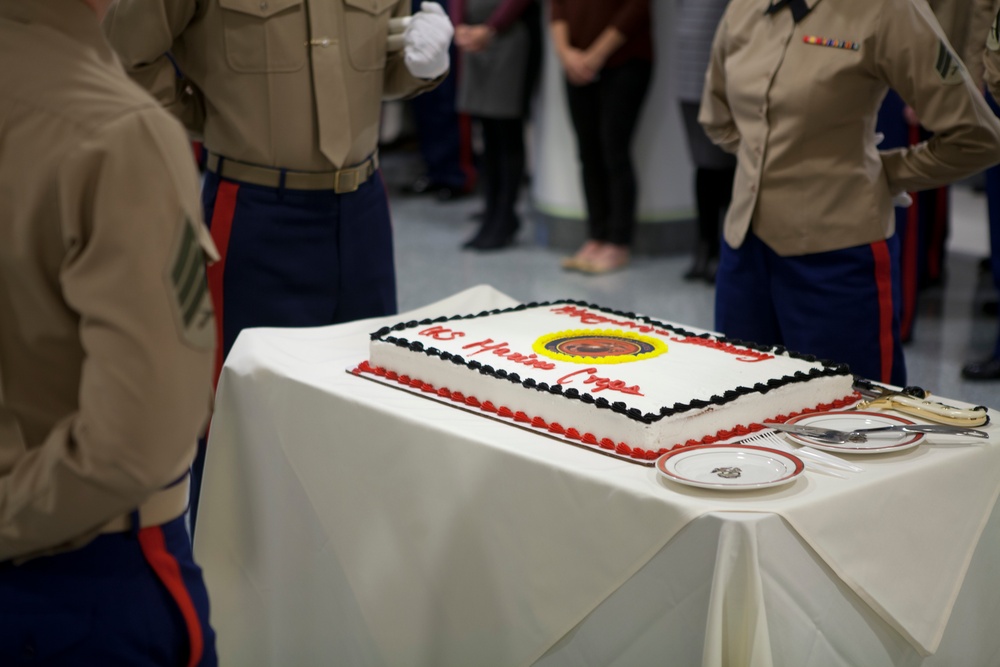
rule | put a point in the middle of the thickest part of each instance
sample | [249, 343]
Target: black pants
[605, 114]
[713, 180]
[713, 192]
[502, 171]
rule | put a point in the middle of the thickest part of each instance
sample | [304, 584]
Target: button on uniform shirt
[293, 84]
[797, 103]
[106, 330]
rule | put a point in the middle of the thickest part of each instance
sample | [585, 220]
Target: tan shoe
[584, 256]
[611, 258]
[571, 263]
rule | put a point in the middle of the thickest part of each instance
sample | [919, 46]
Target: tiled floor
[949, 328]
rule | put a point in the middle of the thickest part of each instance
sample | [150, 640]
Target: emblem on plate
[598, 346]
[731, 472]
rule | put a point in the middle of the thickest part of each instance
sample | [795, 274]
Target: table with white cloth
[346, 522]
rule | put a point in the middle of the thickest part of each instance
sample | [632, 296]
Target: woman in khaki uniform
[106, 346]
[793, 89]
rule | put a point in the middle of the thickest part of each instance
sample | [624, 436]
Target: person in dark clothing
[500, 46]
[606, 50]
[696, 21]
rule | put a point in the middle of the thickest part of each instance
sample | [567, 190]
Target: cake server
[914, 401]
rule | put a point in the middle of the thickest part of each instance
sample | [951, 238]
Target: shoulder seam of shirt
[66, 114]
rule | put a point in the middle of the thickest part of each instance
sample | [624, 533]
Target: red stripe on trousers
[199, 150]
[168, 571]
[222, 226]
[883, 282]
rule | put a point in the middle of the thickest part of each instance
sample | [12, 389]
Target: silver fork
[808, 453]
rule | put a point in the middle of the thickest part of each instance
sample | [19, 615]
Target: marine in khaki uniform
[986, 14]
[924, 224]
[983, 14]
[286, 95]
[793, 89]
[106, 346]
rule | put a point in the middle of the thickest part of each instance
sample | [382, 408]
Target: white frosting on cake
[695, 367]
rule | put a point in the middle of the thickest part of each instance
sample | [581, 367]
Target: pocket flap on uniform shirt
[372, 6]
[261, 8]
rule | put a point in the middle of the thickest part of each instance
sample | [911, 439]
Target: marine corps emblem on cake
[598, 346]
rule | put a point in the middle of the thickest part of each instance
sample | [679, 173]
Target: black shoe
[494, 236]
[448, 193]
[697, 270]
[989, 308]
[488, 241]
[492, 242]
[425, 186]
[703, 268]
[982, 370]
[475, 240]
[713, 267]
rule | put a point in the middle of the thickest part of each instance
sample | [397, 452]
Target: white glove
[426, 39]
[902, 200]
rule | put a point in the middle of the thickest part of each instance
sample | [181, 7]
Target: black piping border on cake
[830, 368]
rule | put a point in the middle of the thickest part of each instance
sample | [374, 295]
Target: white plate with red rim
[850, 420]
[729, 467]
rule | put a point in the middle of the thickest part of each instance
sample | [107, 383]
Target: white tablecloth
[346, 522]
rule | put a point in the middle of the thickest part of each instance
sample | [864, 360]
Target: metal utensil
[806, 453]
[860, 435]
[924, 428]
[824, 434]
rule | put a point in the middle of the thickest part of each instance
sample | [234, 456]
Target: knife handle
[930, 410]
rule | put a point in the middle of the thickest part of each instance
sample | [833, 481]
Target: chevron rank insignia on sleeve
[188, 285]
[948, 67]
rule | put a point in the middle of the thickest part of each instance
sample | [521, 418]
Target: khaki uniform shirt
[293, 84]
[987, 13]
[798, 105]
[956, 23]
[106, 333]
